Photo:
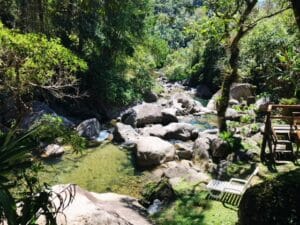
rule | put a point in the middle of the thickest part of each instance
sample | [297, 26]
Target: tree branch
[252, 25]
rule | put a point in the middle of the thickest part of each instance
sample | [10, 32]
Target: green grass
[196, 210]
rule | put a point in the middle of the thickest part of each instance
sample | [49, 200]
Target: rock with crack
[153, 151]
[125, 133]
[88, 208]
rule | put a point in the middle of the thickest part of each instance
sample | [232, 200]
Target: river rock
[183, 103]
[262, 104]
[150, 96]
[232, 114]
[53, 150]
[125, 133]
[156, 130]
[184, 150]
[176, 131]
[184, 171]
[169, 115]
[89, 208]
[201, 148]
[152, 151]
[238, 91]
[219, 148]
[89, 128]
[141, 115]
[40, 109]
[181, 131]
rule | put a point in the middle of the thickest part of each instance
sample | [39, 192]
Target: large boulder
[184, 171]
[38, 110]
[238, 91]
[176, 131]
[169, 115]
[143, 114]
[152, 151]
[184, 150]
[201, 148]
[125, 133]
[180, 131]
[241, 91]
[89, 128]
[184, 103]
[219, 148]
[88, 208]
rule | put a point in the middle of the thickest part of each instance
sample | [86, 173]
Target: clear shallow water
[104, 169]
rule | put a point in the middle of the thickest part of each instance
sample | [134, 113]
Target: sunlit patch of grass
[196, 209]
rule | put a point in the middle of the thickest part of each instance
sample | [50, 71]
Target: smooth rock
[153, 151]
[88, 208]
[52, 150]
[125, 133]
[219, 148]
[141, 115]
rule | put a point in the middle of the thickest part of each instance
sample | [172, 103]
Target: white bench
[234, 186]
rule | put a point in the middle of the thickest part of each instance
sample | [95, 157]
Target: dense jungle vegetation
[93, 58]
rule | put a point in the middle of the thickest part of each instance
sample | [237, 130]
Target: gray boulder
[184, 171]
[88, 208]
[219, 148]
[201, 148]
[125, 133]
[180, 131]
[152, 151]
[184, 150]
[169, 115]
[238, 91]
[262, 104]
[183, 103]
[232, 114]
[89, 128]
[40, 109]
[52, 150]
[141, 115]
[176, 131]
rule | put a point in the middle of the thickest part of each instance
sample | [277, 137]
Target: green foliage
[278, 198]
[270, 57]
[233, 142]
[30, 63]
[49, 128]
[15, 160]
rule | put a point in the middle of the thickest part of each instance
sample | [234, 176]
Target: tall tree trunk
[228, 80]
[296, 8]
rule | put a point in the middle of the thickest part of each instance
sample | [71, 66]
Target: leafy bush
[49, 128]
[275, 201]
[31, 62]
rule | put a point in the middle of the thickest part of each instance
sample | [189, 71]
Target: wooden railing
[267, 139]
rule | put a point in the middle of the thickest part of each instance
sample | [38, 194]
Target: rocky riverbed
[171, 137]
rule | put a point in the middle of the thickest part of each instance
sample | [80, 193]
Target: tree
[296, 8]
[31, 64]
[239, 17]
